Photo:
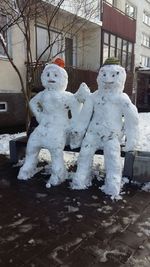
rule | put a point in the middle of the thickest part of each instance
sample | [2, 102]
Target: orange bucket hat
[60, 62]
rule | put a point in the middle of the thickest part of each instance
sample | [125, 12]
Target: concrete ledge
[17, 149]
[137, 166]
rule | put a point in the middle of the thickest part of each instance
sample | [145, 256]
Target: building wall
[118, 4]
[116, 22]
[142, 89]
[17, 47]
[86, 37]
[140, 28]
[86, 52]
[16, 110]
[120, 31]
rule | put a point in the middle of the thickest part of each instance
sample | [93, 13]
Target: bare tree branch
[26, 13]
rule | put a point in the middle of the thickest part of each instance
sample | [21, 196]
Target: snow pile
[144, 138]
[144, 228]
[101, 120]
[146, 187]
[4, 141]
[71, 158]
[50, 108]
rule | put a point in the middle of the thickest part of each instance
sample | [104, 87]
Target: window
[146, 18]
[145, 40]
[119, 49]
[3, 31]
[114, 46]
[68, 51]
[145, 61]
[124, 53]
[129, 56]
[106, 46]
[15, 6]
[130, 10]
[112, 2]
[3, 106]
[55, 43]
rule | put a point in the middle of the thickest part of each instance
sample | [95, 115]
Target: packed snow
[71, 158]
[51, 109]
[104, 129]
[144, 140]
[102, 126]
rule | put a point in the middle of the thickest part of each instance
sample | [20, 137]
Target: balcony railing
[117, 22]
[75, 77]
[117, 9]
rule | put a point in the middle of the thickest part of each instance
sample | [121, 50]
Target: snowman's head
[111, 77]
[54, 77]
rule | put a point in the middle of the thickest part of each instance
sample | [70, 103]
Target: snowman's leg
[113, 167]
[58, 168]
[31, 160]
[82, 178]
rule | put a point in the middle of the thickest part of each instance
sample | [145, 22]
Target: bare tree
[21, 14]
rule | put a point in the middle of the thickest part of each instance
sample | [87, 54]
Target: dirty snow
[144, 140]
[102, 253]
[4, 141]
[71, 158]
[144, 227]
[146, 187]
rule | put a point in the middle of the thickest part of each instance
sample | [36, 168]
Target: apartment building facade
[136, 41]
[75, 34]
[112, 30]
[118, 38]
[140, 11]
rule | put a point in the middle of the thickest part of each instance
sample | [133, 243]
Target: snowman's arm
[82, 93]
[36, 105]
[77, 101]
[80, 125]
[131, 119]
[86, 113]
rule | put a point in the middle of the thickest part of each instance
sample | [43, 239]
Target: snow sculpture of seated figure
[102, 115]
[50, 107]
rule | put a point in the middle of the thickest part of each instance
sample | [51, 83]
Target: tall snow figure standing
[105, 109]
[50, 108]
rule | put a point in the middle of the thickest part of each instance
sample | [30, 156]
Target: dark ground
[42, 227]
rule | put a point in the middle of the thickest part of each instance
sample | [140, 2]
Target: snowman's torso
[55, 109]
[107, 115]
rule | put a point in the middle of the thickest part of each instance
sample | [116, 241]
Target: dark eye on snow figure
[113, 75]
[55, 75]
[48, 74]
[117, 72]
[104, 74]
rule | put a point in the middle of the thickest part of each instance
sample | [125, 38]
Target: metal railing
[75, 77]
[120, 11]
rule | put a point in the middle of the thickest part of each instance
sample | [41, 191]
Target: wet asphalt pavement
[56, 227]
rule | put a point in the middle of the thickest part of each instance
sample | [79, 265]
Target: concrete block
[137, 166]
[17, 148]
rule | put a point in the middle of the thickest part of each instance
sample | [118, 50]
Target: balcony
[75, 77]
[117, 22]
